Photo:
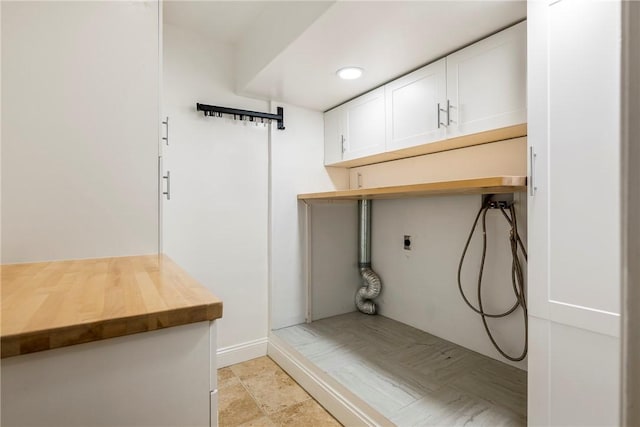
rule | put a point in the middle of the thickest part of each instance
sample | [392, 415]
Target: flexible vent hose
[372, 282]
[369, 291]
[517, 276]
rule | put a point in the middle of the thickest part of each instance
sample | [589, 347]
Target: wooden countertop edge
[48, 339]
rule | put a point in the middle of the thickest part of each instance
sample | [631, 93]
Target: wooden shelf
[480, 138]
[488, 185]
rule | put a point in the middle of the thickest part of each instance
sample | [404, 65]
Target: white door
[416, 107]
[574, 212]
[486, 83]
[333, 138]
[364, 125]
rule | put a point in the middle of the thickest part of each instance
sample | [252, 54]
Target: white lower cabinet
[214, 409]
[157, 378]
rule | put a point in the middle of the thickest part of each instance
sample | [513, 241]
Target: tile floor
[409, 376]
[259, 393]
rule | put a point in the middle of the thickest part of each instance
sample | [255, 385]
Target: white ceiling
[224, 21]
[386, 38]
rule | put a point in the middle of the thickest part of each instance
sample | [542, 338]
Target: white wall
[335, 276]
[80, 129]
[215, 225]
[297, 155]
[420, 286]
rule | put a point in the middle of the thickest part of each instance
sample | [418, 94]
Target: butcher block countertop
[48, 305]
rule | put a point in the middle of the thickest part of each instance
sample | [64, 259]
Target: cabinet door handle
[443, 111]
[448, 113]
[166, 137]
[168, 178]
[342, 142]
[532, 156]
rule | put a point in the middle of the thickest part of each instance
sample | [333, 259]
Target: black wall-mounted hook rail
[213, 110]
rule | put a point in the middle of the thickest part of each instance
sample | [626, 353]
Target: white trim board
[242, 352]
[340, 402]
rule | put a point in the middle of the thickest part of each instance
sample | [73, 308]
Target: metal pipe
[364, 233]
[371, 281]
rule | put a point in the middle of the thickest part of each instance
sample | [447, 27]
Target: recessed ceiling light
[349, 73]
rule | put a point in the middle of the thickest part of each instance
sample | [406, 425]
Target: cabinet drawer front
[412, 104]
[486, 83]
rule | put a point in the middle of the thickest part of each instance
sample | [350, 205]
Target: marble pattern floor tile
[307, 413]
[275, 391]
[236, 406]
[410, 376]
[258, 393]
[226, 377]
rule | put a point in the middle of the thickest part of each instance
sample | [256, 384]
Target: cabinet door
[574, 241]
[364, 125]
[79, 129]
[333, 145]
[486, 83]
[412, 107]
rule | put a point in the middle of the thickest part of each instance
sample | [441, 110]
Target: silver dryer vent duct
[372, 284]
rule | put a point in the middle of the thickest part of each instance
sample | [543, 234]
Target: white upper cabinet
[363, 127]
[333, 136]
[479, 91]
[355, 129]
[486, 83]
[416, 107]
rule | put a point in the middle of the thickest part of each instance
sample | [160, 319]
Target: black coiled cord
[517, 276]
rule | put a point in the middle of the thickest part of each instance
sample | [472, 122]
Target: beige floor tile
[226, 377]
[236, 406]
[254, 367]
[274, 391]
[259, 422]
[308, 414]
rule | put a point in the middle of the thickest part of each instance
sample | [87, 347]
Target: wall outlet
[407, 243]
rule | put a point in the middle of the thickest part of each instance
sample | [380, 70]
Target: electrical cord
[517, 276]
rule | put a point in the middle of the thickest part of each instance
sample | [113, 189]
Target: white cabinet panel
[364, 125]
[573, 376]
[412, 107]
[574, 132]
[213, 358]
[486, 83]
[332, 136]
[213, 419]
[574, 212]
[80, 129]
[584, 151]
[157, 378]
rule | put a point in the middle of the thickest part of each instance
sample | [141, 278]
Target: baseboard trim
[241, 352]
[349, 409]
